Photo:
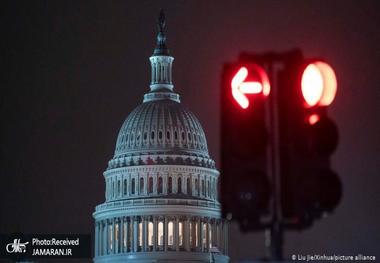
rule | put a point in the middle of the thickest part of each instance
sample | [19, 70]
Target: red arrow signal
[240, 88]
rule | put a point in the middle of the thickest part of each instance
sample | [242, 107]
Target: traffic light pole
[274, 238]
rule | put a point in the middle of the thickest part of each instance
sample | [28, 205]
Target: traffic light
[277, 140]
[315, 188]
[245, 188]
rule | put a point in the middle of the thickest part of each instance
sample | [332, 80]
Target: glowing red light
[318, 84]
[313, 119]
[240, 88]
[235, 83]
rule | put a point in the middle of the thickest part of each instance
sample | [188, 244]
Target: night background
[73, 70]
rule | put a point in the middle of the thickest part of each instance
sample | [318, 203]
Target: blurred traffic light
[245, 187]
[275, 124]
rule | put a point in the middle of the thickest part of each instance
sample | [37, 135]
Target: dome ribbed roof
[161, 126]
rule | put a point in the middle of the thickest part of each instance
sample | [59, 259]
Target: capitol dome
[161, 197]
[160, 126]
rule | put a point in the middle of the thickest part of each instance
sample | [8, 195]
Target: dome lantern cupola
[161, 61]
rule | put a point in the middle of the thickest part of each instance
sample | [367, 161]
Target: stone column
[200, 236]
[214, 234]
[113, 236]
[127, 235]
[121, 230]
[207, 235]
[145, 234]
[184, 184]
[165, 233]
[164, 184]
[176, 234]
[155, 179]
[135, 234]
[187, 234]
[155, 231]
[106, 238]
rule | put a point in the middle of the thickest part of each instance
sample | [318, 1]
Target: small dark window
[170, 185]
[203, 187]
[133, 186]
[189, 136]
[141, 185]
[179, 185]
[175, 135]
[196, 185]
[126, 138]
[159, 186]
[152, 135]
[125, 186]
[188, 186]
[118, 188]
[145, 135]
[160, 135]
[183, 136]
[168, 135]
[150, 185]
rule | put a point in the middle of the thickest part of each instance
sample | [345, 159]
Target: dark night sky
[75, 69]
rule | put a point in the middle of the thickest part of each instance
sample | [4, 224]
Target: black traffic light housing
[245, 186]
[308, 188]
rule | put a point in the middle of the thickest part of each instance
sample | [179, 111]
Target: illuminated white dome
[161, 199]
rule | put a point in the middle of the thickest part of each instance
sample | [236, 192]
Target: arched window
[196, 234]
[168, 135]
[150, 234]
[160, 135]
[140, 239]
[179, 185]
[183, 136]
[160, 234]
[170, 185]
[113, 189]
[150, 185]
[159, 186]
[118, 188]
[209, 188]
[175, 135]
[110, 237]
[152, 135]
[133, 186]
[170, 233]
[188, 183]
[145, 135]
[116, 233]
[125, 186]
[141, 185]
[180, 233]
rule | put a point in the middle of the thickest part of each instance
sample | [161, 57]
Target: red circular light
[318, 84]
[313, 119]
